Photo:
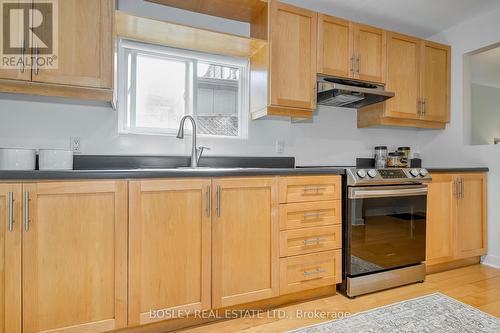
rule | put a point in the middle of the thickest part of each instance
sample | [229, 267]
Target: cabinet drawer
[310, 271]
[309, 240]
[310, 214]
[310, 188]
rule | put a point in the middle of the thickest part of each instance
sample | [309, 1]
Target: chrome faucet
[196, 152]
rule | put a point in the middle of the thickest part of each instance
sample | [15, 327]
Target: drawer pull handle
[316, 271]
[316, 215]
[313, 190]
[314, 241]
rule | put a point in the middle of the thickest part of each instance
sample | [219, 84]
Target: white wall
[331, 138]
[449, 148]
[485, 114]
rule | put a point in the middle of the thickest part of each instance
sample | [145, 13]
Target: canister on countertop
[394, 159]
[405, 160]
[381, 157]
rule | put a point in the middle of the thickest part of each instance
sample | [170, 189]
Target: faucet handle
[199, 152]
[203, 148]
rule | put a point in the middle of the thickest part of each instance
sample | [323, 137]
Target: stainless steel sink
[178, 169]
[193, 168]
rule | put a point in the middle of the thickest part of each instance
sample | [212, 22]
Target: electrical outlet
[75, 144]
[280, 146]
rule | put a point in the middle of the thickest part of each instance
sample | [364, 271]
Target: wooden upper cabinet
[471, 215]
[350, 50]
[293, 41]
[10, 258]
[245, 240]
[335, 46]
[403, 75]
[370, 53]
[85, 45]
[435, 81]
[17, 40]
[441, 207]
[75, 257]
[169, 247]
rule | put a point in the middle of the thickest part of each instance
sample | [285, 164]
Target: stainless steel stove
[384, 229]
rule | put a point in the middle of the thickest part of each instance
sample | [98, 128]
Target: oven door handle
[364, 193]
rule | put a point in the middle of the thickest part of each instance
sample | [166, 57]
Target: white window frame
[125, 93]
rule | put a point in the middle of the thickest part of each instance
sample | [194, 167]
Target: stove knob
[361, 173]
[372, 173]
[415, 172]
[424, 172]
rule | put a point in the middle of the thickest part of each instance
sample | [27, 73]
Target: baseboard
[491, 260]
[267, 304]
[446, 266]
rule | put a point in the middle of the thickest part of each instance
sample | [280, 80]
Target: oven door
[385, 228]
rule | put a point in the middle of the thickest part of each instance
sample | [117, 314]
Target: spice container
[394, 159]
[405, 161]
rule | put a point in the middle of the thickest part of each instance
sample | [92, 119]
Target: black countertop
[458, 170]
[139, 167]
[163, 173]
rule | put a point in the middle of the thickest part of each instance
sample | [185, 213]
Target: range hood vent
[351, 94]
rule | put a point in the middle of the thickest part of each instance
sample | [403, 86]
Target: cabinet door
[245, 244]
[435, 82]
[10, 258]
[85, 51]
[335, 46]
[403, 72]
[293, 56]
[75, 257]
[441, 205]
[169, 254]
[471, 215]
[14, 10]
[370, 51]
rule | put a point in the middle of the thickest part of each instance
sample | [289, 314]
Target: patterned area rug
[433, 313]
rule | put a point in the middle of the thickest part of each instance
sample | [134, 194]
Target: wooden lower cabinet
[98, 256]
[310, 271]
[456, 217]
[169, 248]
[440, 216]
[310, 188]
[471, 215]
[10, 258]
[245, 240]
[310, 214]
[74, 250]
[310, 240]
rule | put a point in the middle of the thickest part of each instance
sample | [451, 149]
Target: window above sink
[159, 85]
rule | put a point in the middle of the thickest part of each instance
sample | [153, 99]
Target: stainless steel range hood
[352, 94]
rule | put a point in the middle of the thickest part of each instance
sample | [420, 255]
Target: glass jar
[394, 159]
[405, 161]
[380, 157]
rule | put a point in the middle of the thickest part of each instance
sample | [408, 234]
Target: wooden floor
[477, 285]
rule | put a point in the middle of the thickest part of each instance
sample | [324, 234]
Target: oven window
[386, 233]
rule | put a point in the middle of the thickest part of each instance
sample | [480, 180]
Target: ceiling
[421, 18]
[485, 68]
